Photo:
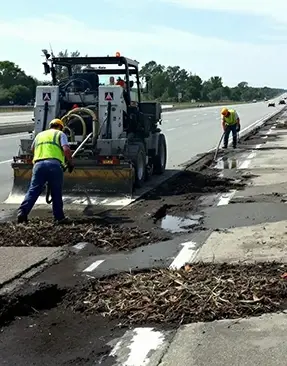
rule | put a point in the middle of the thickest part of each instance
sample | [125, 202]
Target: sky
[239, 40]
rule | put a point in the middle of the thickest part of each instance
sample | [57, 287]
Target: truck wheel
[161, 158]
[140, 166]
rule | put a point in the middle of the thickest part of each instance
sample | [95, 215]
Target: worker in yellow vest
[230, 123]
[50, 149]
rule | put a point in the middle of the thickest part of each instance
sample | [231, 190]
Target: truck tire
[139, 162]
[161, 158]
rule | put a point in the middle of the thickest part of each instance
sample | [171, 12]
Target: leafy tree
[15, 86]
[62, 72]
[166, 82]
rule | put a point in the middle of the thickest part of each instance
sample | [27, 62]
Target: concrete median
[18, 127]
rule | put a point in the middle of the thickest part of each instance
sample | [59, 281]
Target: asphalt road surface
[188, 132]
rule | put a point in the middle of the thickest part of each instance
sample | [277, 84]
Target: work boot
[224, 147]
[64, 221]
[22, 219]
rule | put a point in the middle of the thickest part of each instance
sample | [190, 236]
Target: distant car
[254, 101]
[282, 101]
[271, 104]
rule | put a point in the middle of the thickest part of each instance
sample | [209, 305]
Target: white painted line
[225, 198]
[80, 246]
[93, 266]
[6, 161]
[186, 255]
[195, 124]
[251, 156]
[171, 129]
[247, 162]
[140, 342]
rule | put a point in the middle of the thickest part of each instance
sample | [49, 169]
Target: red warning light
[118, 54]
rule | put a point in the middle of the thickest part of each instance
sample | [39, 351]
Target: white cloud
[259, 65]
[276, 9]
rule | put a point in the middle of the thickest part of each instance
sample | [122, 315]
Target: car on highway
[282, 101]
[271, 104]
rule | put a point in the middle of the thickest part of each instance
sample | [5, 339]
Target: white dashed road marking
[93, 266]
[186, 255]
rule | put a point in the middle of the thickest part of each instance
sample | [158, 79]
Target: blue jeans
[45, 171]
[228, 129]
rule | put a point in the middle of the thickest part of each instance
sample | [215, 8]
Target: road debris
[193, 182]
[44, 234]
[197, 292]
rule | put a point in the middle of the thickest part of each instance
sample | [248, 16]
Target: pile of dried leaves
[45, 234]
[198, 292]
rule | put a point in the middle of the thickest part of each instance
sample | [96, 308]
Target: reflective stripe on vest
[48, 146]
[231, 119]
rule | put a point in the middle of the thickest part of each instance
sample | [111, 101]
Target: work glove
[70, 167]
[238, 128]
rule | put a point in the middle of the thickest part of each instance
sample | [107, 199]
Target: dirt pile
[193, 183]
[198, 292]
[44, 234]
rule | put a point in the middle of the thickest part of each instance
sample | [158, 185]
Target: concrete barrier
[16, 128]
[16, 108]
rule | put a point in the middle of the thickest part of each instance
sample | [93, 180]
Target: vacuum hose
[68, 119]
[75, 112]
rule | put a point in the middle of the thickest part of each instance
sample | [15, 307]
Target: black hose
[46, 108]
[109, 130]
[218, 146]
[48, 193]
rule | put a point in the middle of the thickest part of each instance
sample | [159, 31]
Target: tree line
[165, 84]
[172, 84]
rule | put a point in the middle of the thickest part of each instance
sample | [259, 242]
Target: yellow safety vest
[48, 146]
[231, 119]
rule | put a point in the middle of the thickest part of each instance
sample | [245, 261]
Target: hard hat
[57, 121]
[224, 111]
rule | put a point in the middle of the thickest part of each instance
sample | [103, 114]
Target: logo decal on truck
[46, 97]
[109, 96]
